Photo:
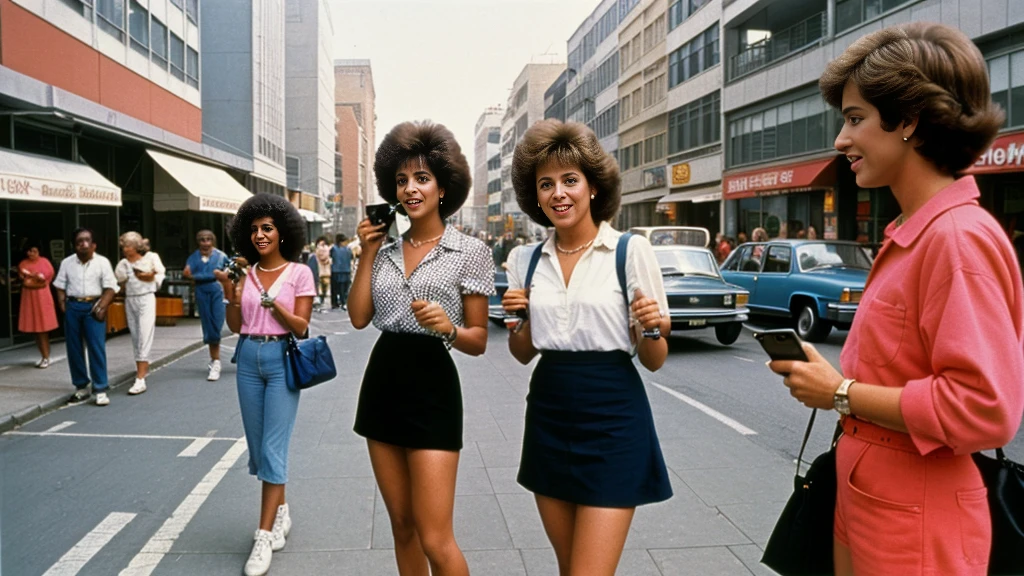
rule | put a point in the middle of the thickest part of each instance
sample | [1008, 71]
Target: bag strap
[807, 434]
[621, 251]
[534, 260]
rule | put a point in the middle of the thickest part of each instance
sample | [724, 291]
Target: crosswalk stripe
[59, 427]
[193, 449]
[76, 558]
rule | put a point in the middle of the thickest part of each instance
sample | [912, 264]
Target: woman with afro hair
[427, 293]
[274, 300]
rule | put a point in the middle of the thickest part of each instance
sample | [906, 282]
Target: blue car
[816, 284]
[698, 297]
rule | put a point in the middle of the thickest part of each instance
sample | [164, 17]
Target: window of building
[83, 7]
[654, 148]
[654, 33]
[494, 163]
[138, 27]
[158, 36]
[654, 91]
[494, 136]
[695, 124]
[1006, 79]
[850, 13]
[625, 7]
[521, 125]
[292, 164]
[607, 122]
[625, 109]
[680, 10]
[111, 17]
[694, 57]
[178, 3]
[637, 101]
[177, 57]
[494, 186]
[192, 10]
[796, 127]
[192, 70]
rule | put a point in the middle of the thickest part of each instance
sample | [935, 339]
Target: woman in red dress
[37, 312]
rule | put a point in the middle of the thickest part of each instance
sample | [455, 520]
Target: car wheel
[809, 326]
[728, 333]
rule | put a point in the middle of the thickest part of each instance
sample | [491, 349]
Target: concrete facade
[353, 81]
[311, 136]
[486, 145]
[352, 149]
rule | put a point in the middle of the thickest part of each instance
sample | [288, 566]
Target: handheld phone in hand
[781, 344]
[381, 213]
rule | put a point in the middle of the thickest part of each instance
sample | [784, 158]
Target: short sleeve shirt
[295, 282]
[458, 265]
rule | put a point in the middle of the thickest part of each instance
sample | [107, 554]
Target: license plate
[700, 322]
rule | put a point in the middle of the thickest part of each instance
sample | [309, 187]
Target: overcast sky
[447, 60]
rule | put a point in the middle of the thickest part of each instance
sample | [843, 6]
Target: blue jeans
[81, 326]
[268, 407]
[210, 301]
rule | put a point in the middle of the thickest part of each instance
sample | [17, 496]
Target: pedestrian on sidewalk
[427, 293]
[205, 267]
[323, 260]
[85, 286]
[341, 272]
[932, 369]
[590, 451]
[36, 314]
[141, 276]
[271, 302]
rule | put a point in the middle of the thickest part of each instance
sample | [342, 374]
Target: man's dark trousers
[339, 288]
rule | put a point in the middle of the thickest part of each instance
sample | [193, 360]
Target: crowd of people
[930, 373]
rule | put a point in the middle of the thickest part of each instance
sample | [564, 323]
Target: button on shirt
[87, 280]
[458, 265]
[590, 314]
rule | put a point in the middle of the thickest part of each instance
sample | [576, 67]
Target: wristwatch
[450, 337]
[841, 399]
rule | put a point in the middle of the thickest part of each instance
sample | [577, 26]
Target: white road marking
[742, 358]
[118, 436]
[160, 544]
[7, 367]
[193, 449]
[708, 410]
[76, 558]
[59, 427]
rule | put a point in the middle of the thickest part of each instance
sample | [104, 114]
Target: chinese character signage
[681, 174]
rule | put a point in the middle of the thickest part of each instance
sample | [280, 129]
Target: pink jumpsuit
[942, 316]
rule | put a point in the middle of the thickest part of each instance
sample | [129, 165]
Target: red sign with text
[808, 174]
[1005, 155]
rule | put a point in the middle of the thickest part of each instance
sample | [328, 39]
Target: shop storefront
[642, 189]
[1000, 175]
[695, 194]
[44, 199]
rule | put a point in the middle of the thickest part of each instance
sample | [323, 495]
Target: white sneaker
[214, 374]
[282, 526]
[139, 387]
[102, 399]
[259, 559]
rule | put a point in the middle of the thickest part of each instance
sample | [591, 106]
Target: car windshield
[824, 255]
[676, 236]
[682, 262]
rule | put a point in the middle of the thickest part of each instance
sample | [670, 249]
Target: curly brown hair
[924, 71]
[569, 144]
[437, 146]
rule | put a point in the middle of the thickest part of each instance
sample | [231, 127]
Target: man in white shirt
[85, 286]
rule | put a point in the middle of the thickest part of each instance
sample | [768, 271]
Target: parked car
[817, 284]
[698, 297]
[674, 235]
[494, 310]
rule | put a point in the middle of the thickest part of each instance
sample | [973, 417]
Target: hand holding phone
[782, 344]
[381, 213]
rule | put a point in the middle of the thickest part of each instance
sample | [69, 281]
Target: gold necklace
[574, 250]
[416, 244]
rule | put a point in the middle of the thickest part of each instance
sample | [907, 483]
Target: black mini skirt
[413, 403]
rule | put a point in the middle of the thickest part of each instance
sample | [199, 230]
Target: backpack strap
[534, 260]
[620, 264]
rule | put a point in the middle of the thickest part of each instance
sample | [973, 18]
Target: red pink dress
[37, 309]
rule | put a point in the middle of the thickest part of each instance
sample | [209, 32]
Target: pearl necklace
[416, 244]
[260, 266]
[574, 250]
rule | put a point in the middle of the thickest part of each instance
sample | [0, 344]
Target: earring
[592, 196]
[904, 138]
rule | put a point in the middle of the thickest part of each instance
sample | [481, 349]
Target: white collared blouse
[590, 314]
[459, 264]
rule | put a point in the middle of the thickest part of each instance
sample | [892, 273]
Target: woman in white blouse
[590, 452]
[141, 276]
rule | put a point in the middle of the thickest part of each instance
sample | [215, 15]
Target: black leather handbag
[1004, 479]
[311, 362]
[801, 542]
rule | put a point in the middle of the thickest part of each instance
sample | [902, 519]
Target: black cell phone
[381, 213]
[781, 344]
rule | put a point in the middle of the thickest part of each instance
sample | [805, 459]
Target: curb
[18, 419]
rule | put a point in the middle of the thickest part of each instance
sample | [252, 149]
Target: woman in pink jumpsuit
[933, 367]
[37, 315]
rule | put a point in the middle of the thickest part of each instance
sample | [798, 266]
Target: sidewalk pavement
[27, 391]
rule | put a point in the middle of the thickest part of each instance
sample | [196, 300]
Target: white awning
[44, 179]
[642, 196]
[703, 194]
[182, 184]
[311, 216]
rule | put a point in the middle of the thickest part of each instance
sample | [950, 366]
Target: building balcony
[778, 45]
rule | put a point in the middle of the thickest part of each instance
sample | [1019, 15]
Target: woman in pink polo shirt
[932, 368]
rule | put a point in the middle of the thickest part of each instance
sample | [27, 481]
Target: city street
[157, 484]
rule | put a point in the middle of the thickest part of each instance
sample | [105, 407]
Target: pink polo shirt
[943, 315]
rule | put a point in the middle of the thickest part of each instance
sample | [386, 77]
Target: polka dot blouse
[458, 265]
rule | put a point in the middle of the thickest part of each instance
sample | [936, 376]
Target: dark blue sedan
[816, 284]
[698, 297]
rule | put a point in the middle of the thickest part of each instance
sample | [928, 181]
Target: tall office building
[353, 80]
[486, 167]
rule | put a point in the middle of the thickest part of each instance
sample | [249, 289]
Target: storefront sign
[1005, 155]
[819, 173]
[654, 177]
[681, 174]
[40, 189]
[207, 204]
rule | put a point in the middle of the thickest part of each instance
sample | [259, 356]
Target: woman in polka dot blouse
[427, 293]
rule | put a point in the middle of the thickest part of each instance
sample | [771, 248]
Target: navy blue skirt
[589, 436]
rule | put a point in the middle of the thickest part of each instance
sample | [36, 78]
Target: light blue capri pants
[268, 406]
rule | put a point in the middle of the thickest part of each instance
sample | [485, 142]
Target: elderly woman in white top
[590, 451]
[141, 277]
